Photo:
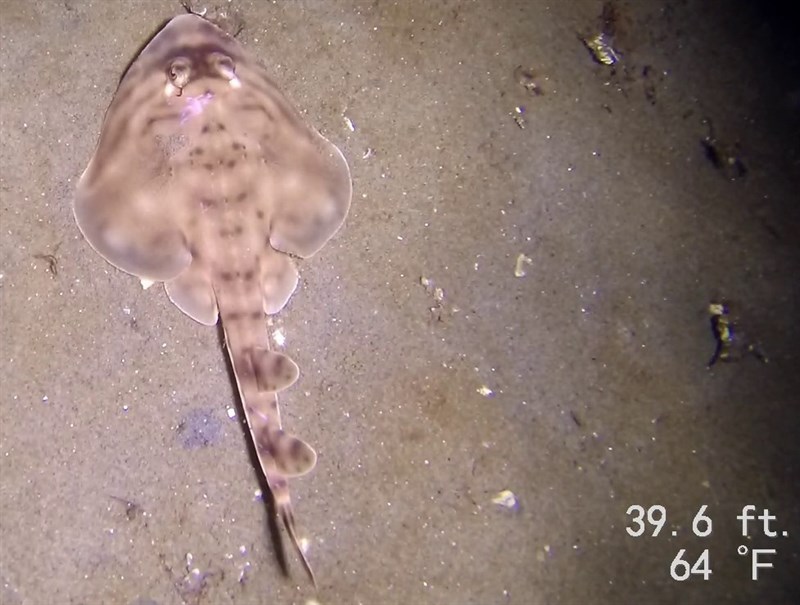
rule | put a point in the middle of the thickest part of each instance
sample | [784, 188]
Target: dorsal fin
[292, 456]
[274, 371]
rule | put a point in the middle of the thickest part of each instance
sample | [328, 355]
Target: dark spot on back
[241, 196]
[209, 166]
[248, 275]
[260, 214]
[237, 146]
[206, 128]
[237, 230]
[230, 163]
[280, 364]
[296, 449]
[226, 276]
[244, 369]
[256, 316]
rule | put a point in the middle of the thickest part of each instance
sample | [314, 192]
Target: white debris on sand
[519, 268]
[506, 499]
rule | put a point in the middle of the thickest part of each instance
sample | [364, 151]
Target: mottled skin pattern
[206, 178]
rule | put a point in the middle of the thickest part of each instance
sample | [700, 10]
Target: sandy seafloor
[118, 459]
